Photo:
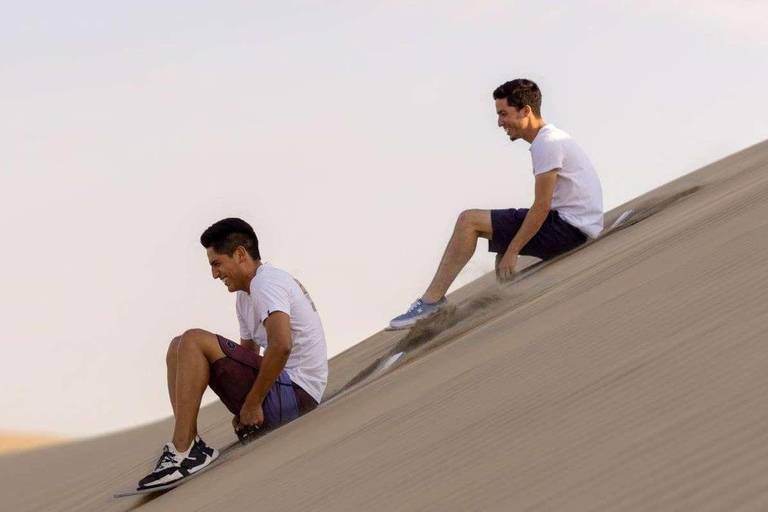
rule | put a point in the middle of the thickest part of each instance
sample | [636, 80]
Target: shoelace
[166, 459]
[415, 306]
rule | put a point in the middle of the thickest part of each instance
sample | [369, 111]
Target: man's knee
[465, 220]
[173, 349]
[202, 341]
[195, 334]
[474, 220]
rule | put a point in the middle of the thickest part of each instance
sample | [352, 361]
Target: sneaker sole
[401, 326]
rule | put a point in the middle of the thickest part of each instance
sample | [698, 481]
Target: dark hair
[227, 235]
[519, 93]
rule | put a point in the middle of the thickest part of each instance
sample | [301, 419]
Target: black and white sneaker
[173, 466]
[199, 456]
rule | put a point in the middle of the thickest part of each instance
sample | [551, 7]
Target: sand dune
[631, 374]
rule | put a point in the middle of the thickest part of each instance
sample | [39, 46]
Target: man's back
[578, 195]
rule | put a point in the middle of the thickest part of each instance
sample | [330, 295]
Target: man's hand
[279, 343]
[243, 433]
[506, 268]
[534, 219]
[251, 415]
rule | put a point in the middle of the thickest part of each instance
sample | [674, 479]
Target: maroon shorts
[232, 377]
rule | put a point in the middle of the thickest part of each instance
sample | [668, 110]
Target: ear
[527, 111]
[241, 253]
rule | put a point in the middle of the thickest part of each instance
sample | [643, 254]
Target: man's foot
[173, 466]
[417, 311]
[199, 456]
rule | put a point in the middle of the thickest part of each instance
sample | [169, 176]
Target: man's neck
[537, 123]
[251, 274]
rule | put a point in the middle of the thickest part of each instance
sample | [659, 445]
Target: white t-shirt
[273, 290]
[578, 196]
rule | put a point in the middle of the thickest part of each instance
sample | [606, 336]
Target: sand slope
[629, 375]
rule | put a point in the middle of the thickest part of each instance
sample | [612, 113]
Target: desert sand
[630, 374]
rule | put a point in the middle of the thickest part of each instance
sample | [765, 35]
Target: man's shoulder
[551, 133]
[269, 275]
[549, 139]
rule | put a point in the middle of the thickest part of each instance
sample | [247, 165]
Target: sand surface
[631, 374]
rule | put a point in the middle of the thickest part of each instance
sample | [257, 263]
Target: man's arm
[250, 344]
[279, 345]
[545, 187]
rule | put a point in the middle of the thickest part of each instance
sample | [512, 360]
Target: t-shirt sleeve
[271, 296]
[245, 334]
[547, 156]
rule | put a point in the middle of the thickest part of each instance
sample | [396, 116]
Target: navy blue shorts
[553, 239]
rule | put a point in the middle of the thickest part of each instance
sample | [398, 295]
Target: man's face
[512, 120]
[226, 268]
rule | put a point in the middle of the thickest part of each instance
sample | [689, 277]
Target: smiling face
[231, 270]
[515, 122]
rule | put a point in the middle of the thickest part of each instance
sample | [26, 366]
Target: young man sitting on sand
[567, 208]
[275, 313]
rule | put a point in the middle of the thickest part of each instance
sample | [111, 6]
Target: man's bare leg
[197, 350]
[471, 225]
[171, 360]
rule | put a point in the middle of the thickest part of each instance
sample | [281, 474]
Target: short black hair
[519, 93]
[227, 235]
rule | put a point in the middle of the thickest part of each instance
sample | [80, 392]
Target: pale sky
[349, 135]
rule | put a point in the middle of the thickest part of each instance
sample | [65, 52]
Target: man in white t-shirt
[276, 314]
[566, 211]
